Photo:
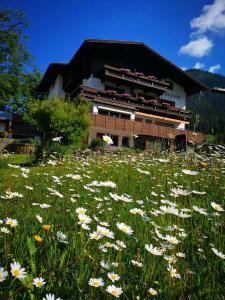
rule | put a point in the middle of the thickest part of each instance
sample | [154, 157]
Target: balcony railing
[136, 79]
[141, 128]
[152, 106]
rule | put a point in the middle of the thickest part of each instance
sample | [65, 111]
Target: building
[5, 124]
[137, 96]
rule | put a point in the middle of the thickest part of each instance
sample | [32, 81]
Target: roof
[5, 116]
[50, 75]
[145, 54]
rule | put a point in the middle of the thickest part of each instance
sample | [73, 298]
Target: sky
[188, 33]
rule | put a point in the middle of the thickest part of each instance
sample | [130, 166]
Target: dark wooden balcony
[151, 106]
[135, 79]
[140, 128]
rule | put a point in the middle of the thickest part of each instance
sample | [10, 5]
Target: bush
[60, 117]
[97, 144]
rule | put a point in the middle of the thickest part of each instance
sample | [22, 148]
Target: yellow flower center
[16, 273]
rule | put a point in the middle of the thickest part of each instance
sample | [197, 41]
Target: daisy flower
[38, 282]
[12, 222]
[153, 250]
[125, 228]
[113, 277]
[17, 271]
[115, 291]
[51, 297]
[219, 254]
[96, 282]
[3, 274]
[217, 206]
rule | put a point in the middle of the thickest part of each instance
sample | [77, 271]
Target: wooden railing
[141, 128]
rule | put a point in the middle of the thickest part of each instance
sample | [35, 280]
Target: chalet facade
[136, 95]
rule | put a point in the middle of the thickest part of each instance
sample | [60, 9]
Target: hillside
[209, 108]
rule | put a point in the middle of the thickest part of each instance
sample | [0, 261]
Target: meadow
[127, 226]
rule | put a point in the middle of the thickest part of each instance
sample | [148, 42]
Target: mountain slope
[209, 108]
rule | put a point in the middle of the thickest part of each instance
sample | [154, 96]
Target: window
[99, 135]
[115, 139]
[126, 142]
[103, 112]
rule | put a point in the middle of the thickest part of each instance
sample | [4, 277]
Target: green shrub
[60, 117]
[97, 143]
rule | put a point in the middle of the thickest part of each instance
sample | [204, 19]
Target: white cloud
[215, 68]
[211, 19]
[198, 65]
[183, 68]
[198, 47]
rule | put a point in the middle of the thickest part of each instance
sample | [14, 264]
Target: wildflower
[115, 291]
[3, 274]
[46, 227]
[121, 244]
[39, 218]
[219, 254]
[96, 282]
[105, 265]
[12, 222]
[217, 206]
[113, 276]
[137, 263]
[153, 292]
[85, 227]
[107, 139]
[105, 232]
[189, 172]
[39, 282]
[125, 228]
[171, 239]
[180, 254]
[29, 187]
[84, 219]
[44, 205]
[17, 271]
[4, 230]
[61, 237]
[57, 139]
[153, 250]
[200, 210]
[173, 272]
[176, 192]
[124, 198]
[143, 172]
[95, 235]
[137, 211]
[51, 297]
[38, 238]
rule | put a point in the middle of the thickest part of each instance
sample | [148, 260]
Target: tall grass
[67, 267]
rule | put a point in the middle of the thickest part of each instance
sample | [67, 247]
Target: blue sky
[185, 32]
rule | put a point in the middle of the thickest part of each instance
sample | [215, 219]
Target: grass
[67, 268]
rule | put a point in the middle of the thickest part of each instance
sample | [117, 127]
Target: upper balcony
[155, 106]
[135, 79]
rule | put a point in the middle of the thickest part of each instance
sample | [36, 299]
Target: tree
[16, 83]
[60, 117]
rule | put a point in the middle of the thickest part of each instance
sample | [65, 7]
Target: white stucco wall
[56, 88]
[178, 96]
[94, 82]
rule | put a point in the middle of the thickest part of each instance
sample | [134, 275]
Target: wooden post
[155, 147]
[146, 143]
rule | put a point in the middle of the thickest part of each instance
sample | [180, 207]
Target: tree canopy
[16, 82]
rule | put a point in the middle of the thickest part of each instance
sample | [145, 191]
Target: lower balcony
[143, 129]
